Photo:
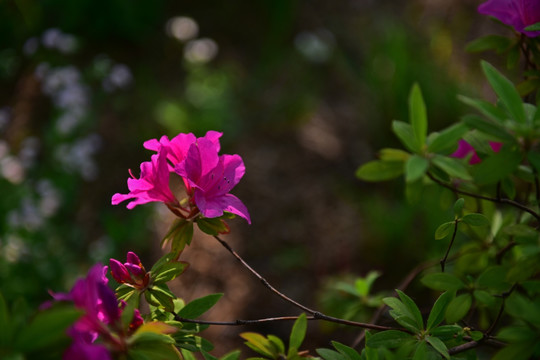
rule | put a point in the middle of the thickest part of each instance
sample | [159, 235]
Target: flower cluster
[207, 177]
[131, 272]
[99, 331]
[517, 13]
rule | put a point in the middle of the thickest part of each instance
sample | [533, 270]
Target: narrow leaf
[458, 308]
[475, 220]
[452, 167]
[389, 339]
[380, 170]
[406, 134]
[438, 345]
[444, 230]
[417, 115]
[506, 92]
[413, 308]
[199, 306]
[439, 308]
[298, 332]
[415, 168]
[442, 282]
[446, 141]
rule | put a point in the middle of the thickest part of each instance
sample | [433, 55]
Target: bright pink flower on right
[210, 177]
[465, 149]
[517, 13]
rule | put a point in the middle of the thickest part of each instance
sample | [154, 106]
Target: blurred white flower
[200, 50]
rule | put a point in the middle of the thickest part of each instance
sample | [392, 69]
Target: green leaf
[199, 306]
[446, 141]
[442, 282]
[475, 220]
[533, 27]
[167, 258]
[421, 351]
[362, 286]
[506, 92]
[378, 170]
[180, 235]
[415, 168]
[438, 345]
[390, 155]
[169, 271]
[436, 314]
[493, 278]
[233, 355]
[259, 344]
[348, 352]
[277, 343]
[458, 206]
[486, 108]
[458, 308]
[153, 351]
[298, 333]
[452, 167]
[401, 314]
[519, 333]
[484, 297]
[328, 354]
[446, 332]
[444, 230]
[519, 351]
[213, 226]
[160, 295]
[406, 134]
[389, 339]
[46, 328]
[489, 42]
[497, 166]
[417, 115]
[488, 127]
[413, 309]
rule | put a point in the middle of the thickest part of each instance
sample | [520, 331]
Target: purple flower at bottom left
[92, 333]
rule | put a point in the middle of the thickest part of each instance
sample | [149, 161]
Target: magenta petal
[82, 349]
[516, 13]
[133, 258]
[119, 271]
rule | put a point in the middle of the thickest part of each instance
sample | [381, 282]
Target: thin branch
[504, 250]
[463, 347]
[316, 314]
[482, 197]
[238, 322]
[402, 286]
[443, 260]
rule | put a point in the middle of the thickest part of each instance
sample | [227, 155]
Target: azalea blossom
[465, 149]
[207, 176]
[153, 184]
[211, 177]
[517, 13]
[179, 145]
[101, 316]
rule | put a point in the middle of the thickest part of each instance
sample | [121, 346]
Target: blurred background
[304, 91]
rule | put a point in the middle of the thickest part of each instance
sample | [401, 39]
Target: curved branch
[316, 314]
[482, 197]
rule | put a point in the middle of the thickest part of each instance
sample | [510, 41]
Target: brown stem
[316, 314]
[482, 197]
[443, 260]
[238, 322]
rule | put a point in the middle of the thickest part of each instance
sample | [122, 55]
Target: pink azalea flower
[153, 184]
[465, 149]
[179, 145]
[211, 177]
[517, 13]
